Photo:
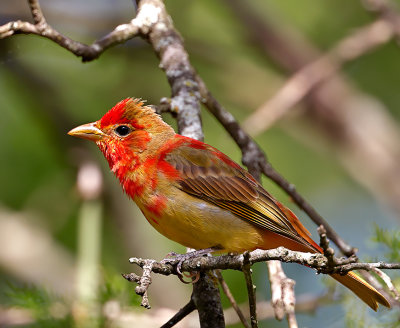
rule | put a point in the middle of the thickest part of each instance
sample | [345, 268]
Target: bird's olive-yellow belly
[198, 224]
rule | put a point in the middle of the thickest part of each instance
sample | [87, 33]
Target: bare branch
[282, 289]
[282, 300]
[231, 299]
[302, 82]
[251, 289]
[330, 252]
[41, 28]
[236, 262]
[37, 13]
[174, 60]
[388, 282]
[182, 313]
[143, 282]
[387, 10]
[305, 303]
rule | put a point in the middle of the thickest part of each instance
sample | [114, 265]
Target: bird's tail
[357, 285]
[362, 289]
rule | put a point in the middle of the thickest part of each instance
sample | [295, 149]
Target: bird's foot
[178, 259]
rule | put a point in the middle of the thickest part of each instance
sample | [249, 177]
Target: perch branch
[236, 262]
[243, 263]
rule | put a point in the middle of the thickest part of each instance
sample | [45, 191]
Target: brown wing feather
[230, 187]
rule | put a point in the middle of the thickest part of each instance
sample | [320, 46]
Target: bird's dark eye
[123, 130]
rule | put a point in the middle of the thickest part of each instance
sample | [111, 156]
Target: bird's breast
[198, 224]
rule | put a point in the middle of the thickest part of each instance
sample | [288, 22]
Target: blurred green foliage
[46, 309]
[45, 91]
[391, 239]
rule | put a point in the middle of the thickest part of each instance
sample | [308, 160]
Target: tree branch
[236, 262]
[41, 28]
[243, 262]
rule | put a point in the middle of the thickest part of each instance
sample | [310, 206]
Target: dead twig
[143, 281]
[330, 252]
[41, 28]
[302, 82]
[305, 304]
[182, 313]
[282, 290]
[389, 283]
[251, 289]
[231, 299]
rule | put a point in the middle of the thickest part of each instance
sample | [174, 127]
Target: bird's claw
[172, 258]
[175, 258]
[193, 276]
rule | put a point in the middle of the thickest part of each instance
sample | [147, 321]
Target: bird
[196, 195]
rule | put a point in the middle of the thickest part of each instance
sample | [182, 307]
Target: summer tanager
[196, 195]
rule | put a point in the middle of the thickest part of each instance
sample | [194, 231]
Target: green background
[46, 91]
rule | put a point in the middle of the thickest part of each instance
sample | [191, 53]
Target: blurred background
[66, 228]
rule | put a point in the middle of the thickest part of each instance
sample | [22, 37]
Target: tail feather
[362, 289]
[357, 285]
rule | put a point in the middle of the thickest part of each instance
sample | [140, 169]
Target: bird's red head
[126, 134]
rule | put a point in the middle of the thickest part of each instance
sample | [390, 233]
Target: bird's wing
[210, 175]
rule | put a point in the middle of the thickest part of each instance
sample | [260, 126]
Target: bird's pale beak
[88, 131]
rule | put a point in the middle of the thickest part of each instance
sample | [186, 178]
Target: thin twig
[182, 313]
[231, 299]
[251, 289]
[388, 282]
[282, 289]
[387, 10]
[37, 13]
[301, 83]
[330, 252]
[306, 303]
[120, 34]
[144, 282]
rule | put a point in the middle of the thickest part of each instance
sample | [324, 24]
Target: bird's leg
[173, 257]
